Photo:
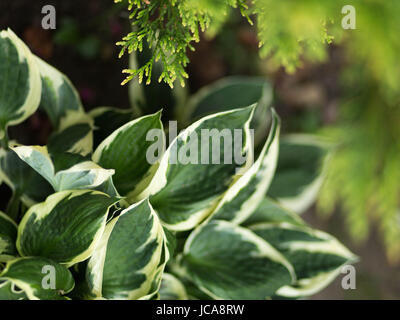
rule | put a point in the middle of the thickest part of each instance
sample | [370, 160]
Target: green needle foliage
[169, 27]
[364, 175]
[288, 30]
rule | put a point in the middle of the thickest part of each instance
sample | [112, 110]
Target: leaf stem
[4, 138]
[14, 206]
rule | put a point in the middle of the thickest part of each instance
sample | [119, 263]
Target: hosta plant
[92, 218]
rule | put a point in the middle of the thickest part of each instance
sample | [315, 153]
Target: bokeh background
[83, 47]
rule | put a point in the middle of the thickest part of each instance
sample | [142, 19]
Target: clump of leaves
[169, 28]
[98, 221]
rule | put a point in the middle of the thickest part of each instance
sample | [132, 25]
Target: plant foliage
[290, 31]
[170, 27]
[108, 225]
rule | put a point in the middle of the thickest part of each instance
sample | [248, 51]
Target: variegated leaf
[243, 197]
[108, 188]
[59, 96]
[82, 174]
[28, 275]
[172, 289]
[9, 291]
[22, 179]
[75, 135]
[317, 257]
[230, 262]
[300, 171]
[185, 189]
[8, 236]
[39, 159]
[66, 227]
[125, 150]
[107, 120]
[230, 93]
[270, 211]
[129, 261]
[20, 85]
[193, 292]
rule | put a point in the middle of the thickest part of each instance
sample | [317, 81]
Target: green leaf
[108, 188]
[9, 291]
[84, 175]
[271, 211]
[172, 289]
[129, 261]
[67, 140]
[8, 236]
[66, 227]
[81, 175]
[184, 192]
[75, 135]
[39, 159]
[28, 274]
[59, 96]
[300, 173]
[229, 262]
[193, 292]
[125, 150]
[317, 257]
[19, 81]
[65, 160]
[243, 197]
[22, 179]
[107, 120]
[171, 241]
[230, 93]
